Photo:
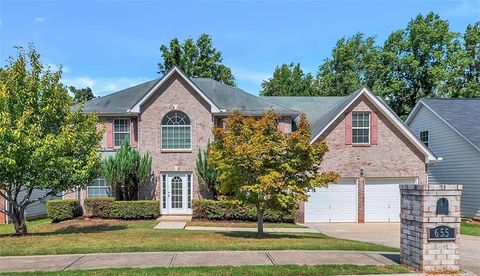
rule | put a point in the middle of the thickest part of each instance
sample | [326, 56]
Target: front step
[184, 218]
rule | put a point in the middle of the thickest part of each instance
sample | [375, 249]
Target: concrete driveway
[389, 234]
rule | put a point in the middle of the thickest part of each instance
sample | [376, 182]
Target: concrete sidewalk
[200, 258]
[389, 234]
[243, 229]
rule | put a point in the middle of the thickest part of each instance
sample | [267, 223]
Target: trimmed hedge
[140, 209]
[99, 207]
[63, 209]
[225, 210]
[108, 208]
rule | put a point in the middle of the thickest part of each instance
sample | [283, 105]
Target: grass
[242, 270]
[241, 224]
[470, 228]
[102, 236]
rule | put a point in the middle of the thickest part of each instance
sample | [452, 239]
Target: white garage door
[337, 203]
[382, 199]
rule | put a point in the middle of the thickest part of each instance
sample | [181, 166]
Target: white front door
[176, 193]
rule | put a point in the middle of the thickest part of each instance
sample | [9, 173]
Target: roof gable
[136, 107]
[336, 106]
[462, 115]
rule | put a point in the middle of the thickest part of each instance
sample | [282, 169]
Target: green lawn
[241, 224]
[92, 236]
[242, 270]
[470, 228]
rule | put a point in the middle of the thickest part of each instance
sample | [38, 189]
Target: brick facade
[392, 157]
[418, 215]
[3, 217]
[175, 94]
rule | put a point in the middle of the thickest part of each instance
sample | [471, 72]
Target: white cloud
[104, 86]
[39, 19]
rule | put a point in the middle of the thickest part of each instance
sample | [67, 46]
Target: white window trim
[173, 126]
[427, 142]
[114, 132]
[357, 127]
[107, 186]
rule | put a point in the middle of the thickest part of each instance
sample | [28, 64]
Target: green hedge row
[59, 210]
[109, 208]
[225, 210]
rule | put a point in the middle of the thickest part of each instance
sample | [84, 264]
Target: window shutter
[374, 129]
[348, 129]
[110, 134]
[133, 132]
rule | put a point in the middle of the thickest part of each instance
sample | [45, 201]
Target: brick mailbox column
[430, 224]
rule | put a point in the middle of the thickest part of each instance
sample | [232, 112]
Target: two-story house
[172, 117]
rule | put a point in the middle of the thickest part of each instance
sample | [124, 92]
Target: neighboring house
[451, 129]
[35, 210]
[172, 117]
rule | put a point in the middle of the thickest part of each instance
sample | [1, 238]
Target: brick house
[171, 118]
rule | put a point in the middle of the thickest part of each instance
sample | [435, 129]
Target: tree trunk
[260, 223]
[19, 222]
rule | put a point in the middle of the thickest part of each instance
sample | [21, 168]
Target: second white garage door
[382, 199]
[337, 203]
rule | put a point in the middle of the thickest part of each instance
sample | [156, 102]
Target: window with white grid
[121, 131]
[176, 131]
[99, 188]
[424, 137]
[360, 127]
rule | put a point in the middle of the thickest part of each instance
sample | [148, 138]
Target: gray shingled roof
[230, 98]
[462, 114]
[119, 102]
[319, 110]
[223, 96]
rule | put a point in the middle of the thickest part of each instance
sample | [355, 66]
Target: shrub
[59, 210]
[142, 209]
[106, 207]
[99, 207]
[226, 210]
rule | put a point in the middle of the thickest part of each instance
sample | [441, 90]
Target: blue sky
[110, 45]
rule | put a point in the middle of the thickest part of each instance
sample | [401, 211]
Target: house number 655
[441, 233]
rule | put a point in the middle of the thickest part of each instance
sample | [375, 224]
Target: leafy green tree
[43, 144]
[127, 170]
[464, 65]
[354, 63]
[259, 165]
[288, 80]
[196, 59]
[415, 62]
[206, 173]
[81, 95]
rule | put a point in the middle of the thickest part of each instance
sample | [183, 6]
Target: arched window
[176, 131]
